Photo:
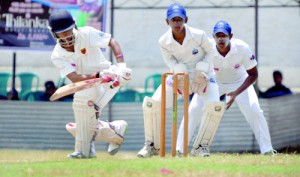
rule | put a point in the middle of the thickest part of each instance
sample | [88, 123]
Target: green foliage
[54, 163]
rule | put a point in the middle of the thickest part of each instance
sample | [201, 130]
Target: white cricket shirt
[233, 67]
[88, 54]
[194, 48]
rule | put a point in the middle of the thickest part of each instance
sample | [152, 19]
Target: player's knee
[71, 128]
[149, 104]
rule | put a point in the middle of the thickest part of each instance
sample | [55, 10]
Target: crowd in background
[49, 89]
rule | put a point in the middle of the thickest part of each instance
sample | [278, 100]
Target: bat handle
[115, 83]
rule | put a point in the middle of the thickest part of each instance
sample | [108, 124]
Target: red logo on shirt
[237, 66]
[83, 51]
[216, 69]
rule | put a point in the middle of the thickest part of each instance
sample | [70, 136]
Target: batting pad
[85, 119]
[104, 132]
[210, 121]
[106, 94]
[152, 118]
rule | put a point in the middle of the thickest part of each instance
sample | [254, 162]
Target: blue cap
[176, 10]
[222, 27]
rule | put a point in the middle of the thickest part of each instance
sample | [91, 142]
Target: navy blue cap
[60, 21]
[222, 27]
[176, 10]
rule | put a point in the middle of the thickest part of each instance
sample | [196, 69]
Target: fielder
[236, 71]
[183, 49]
[78, 56]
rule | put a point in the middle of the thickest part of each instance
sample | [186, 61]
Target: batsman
[78, 56]
[185, 49]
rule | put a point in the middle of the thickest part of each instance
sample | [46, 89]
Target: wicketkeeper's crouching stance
[208, 113]
[79, 57]
[185, 49]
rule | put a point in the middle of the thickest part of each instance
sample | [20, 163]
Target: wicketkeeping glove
[200, 81]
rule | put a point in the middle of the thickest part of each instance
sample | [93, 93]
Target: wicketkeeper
[185, 49]
[78, 56]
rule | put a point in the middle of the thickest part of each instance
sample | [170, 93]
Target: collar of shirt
[233, 49]
[188, 35]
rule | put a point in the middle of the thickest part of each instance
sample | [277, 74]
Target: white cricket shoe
[202, 151]
[78, 155]
[270, 153]
[93, 151]
[120, 128]
[75, 155]
[148, 150]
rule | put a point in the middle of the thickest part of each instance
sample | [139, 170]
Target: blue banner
[24, 23]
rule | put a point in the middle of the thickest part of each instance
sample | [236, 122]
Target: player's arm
[250, 65]
[74, 77]
[103, 40]
[66, 69]
[116, 49]
[252, 76]
[169, 59]
[121, 70]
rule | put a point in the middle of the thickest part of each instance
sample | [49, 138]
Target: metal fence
[41, 125]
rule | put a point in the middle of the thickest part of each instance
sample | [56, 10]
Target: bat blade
[77, 86]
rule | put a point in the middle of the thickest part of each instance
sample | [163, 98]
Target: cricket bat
[82, 85]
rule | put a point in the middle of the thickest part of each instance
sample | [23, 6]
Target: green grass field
[54, 163]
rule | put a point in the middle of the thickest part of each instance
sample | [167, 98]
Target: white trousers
[248, 104]
[86, 104]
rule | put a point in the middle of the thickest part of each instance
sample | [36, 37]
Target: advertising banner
[24, 23]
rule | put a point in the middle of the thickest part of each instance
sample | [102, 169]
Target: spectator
[13, 95]
[49, 90]
[278, 89]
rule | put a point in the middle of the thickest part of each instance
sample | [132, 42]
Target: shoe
[179, 154]
[202, 151]
[195, 152]
[93, 151]
[270, 153]
[148, 150]
[113, 149]
[75, 155]
[120, 129]
[78, 155]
